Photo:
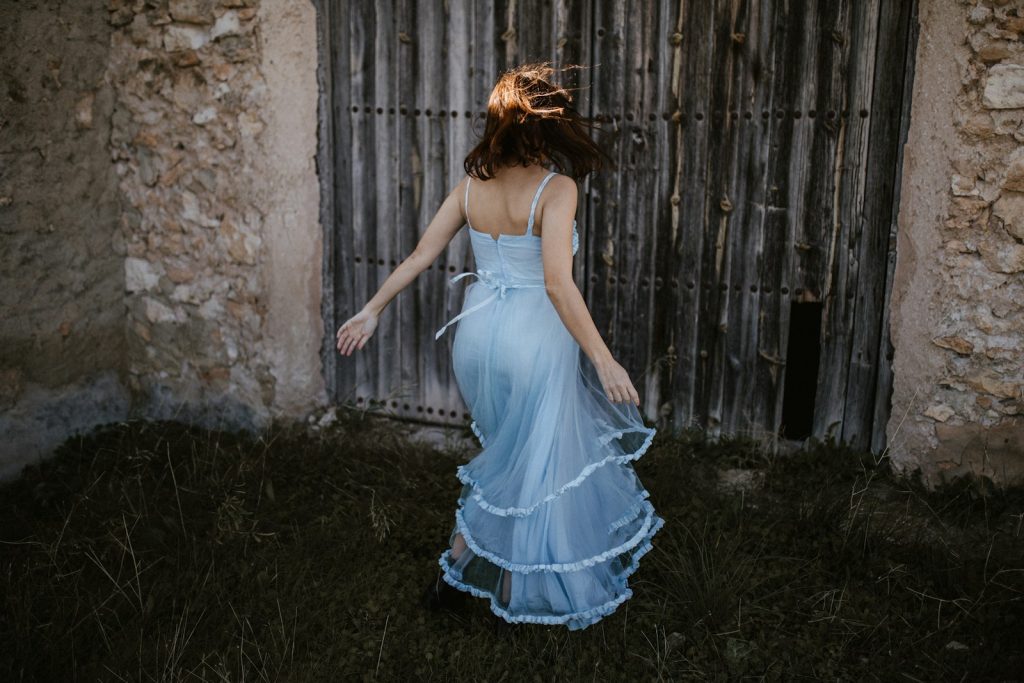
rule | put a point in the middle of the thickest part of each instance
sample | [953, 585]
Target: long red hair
[531, 120]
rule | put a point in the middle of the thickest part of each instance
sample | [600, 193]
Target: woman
[552, 518]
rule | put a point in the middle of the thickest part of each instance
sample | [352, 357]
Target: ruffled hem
[580, 619]
[631, 514]
[477, 496]
[650, 526]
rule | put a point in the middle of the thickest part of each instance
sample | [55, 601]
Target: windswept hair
[531, 120]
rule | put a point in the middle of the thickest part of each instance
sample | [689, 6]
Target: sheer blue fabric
[552, 513]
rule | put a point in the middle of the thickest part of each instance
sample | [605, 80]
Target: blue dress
[553, 515]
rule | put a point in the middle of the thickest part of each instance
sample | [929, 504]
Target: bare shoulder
[562, 183]
[563, 190]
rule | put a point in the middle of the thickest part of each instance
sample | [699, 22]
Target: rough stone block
[939, 412]
[958, 344]
[192, 11]
[1014, 180]
[1004, 87]
[1000, 256]
[1010, 209]
[180, 38]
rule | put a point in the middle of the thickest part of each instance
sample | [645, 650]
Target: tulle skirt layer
[553, 516]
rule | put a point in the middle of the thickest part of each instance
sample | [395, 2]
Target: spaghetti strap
[466, 201]
[536, 197]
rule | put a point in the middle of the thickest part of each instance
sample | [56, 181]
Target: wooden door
[738, 262]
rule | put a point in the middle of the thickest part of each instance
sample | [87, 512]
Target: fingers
[343, 337]
[352, 342]
[623, 392]
[348, 339]
[355, 342]
[617, 394]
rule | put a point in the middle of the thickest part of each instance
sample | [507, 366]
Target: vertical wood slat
[718, 255]
[408, 307]
[635, 284]
[884, 381]
[665, 136]
[741, 230]
[749, 193]
[431, 289]
[689, 334]
[777, 46]
[360, 193]
[838, 287]
[880, 164]
[388, 251]
[607, 92]
[694, 249]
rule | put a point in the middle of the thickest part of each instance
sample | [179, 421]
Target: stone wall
[214, 143]
[159, 208]
[62, 345]
[958, 298]
[189, 98]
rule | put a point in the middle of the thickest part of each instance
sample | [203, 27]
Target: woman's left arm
[354, 332]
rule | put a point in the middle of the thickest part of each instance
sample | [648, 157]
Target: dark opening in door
[801, 380]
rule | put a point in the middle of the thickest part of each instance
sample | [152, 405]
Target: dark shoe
[440, 595]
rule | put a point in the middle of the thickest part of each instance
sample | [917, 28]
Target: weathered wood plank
[691, 334]
[838, 288]
[780, 60]
[437, 300]
[880, 170]
[657, 238]
[605, 189]
[364, 145]
[738, 209]
[384, 183]
[884, 381]
[407, 305]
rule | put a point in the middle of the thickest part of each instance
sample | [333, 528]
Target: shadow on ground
[157, 551]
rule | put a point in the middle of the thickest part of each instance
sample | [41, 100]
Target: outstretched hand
[617, 385]
[354, 332]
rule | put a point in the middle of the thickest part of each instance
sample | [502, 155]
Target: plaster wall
[159, 207]
[957, 313]
[62, 313]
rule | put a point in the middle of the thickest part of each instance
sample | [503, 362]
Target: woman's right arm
[556, 254]
[357, 330]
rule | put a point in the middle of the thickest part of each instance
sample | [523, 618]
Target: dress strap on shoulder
[536, 197]
[466, 202]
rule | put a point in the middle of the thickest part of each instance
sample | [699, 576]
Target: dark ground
[157, 551]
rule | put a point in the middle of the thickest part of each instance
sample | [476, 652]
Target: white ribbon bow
[491, 279]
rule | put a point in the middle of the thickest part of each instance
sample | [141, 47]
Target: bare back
[501, 205]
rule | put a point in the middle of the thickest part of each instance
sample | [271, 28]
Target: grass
[158, 551]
